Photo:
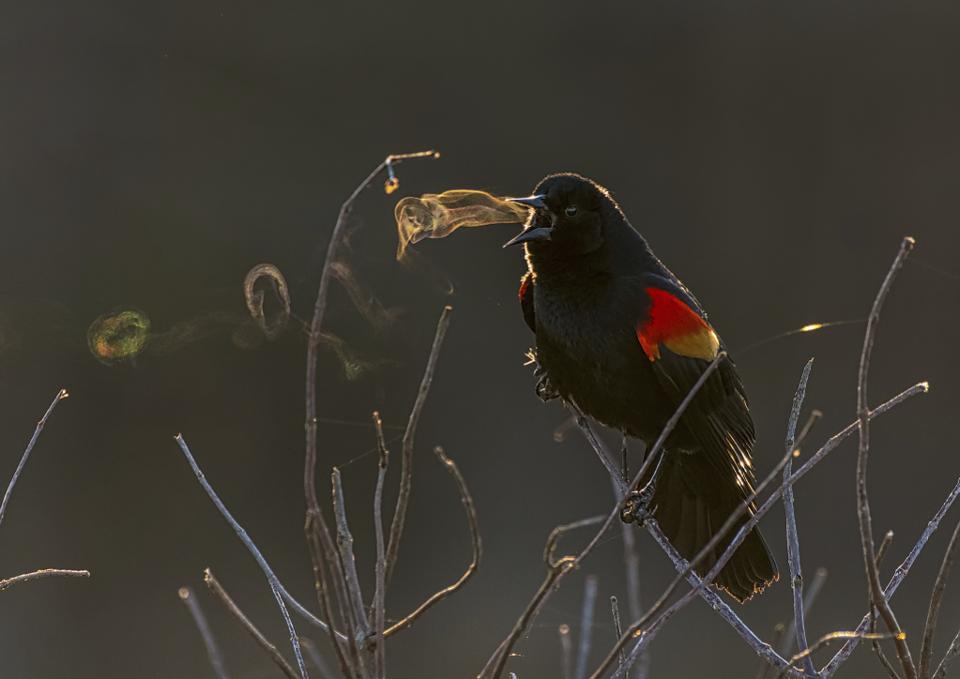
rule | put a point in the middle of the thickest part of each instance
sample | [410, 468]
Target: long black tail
[691, 502]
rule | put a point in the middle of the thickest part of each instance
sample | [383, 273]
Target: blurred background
[774, 154]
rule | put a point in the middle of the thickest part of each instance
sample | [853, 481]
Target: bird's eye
[570, 210]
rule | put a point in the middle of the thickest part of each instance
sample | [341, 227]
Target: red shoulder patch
[678, 327]
[524, 288]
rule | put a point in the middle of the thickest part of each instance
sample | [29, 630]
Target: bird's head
[567, 217]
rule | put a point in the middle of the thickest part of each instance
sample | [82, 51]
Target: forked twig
[272, 579]
[347, 560]
[214, 586]
[471, 512]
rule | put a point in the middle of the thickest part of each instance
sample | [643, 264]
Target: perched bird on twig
[619, 336]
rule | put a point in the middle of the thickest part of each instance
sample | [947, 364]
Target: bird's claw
[545, 389]
[636, 507]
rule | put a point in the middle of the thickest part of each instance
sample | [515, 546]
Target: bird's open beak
[527, 235]
[534, 202]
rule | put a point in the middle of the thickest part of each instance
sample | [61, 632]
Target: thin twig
[555, 569]
[617, 624]
[275, 585]
[936, 598]
[952, 652]
[406, 458]
[898, 576]
[631, 567]
[322, 562]
[793, 537]
[471, 512]
[62, 394]
[833, 636]
[566, 652]
[875, 589]
[42, 573]
[809, 597]
[214, 586]
[586, 625]
[379, 595]
[200, 620]
[884, 546]
[322, 540]
[347, 560]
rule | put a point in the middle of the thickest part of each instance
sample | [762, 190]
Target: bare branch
[809, 597]
[952, 652]
[833, 636]
[214, 586]
[586, 625]
[325, 562]
[200, 620]
[936, 598]
[471, 513]
[40, 574]
[884, 546]
[793, 537]
[617, 626]
[272, 579]
[898, 576]
[379, 596]
[62, 394]
[347, 560]
[875, 589]
[406, 459]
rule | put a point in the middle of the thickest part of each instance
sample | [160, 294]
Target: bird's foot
[636, 509]
[545, 389]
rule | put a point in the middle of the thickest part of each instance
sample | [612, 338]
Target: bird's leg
[635, 507]
[624, 461]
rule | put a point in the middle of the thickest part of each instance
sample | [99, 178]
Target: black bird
[619, 335]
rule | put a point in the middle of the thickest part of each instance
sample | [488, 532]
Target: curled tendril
[271, 328]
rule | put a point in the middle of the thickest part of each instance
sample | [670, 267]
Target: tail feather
[690, 504]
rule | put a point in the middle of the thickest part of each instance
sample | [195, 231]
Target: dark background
[150, 153]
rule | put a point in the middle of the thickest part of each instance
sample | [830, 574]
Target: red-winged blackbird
[619, 335]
